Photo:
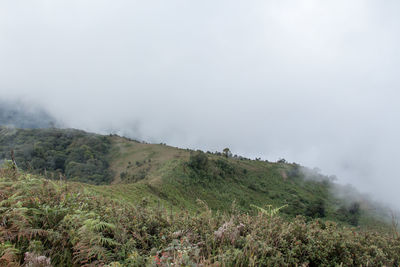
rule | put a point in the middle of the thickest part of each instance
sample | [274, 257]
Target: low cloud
[313, 82]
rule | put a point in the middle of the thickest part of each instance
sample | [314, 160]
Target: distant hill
[132, 172]
[20, 115]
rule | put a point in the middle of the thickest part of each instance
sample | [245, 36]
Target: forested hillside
[58, 154]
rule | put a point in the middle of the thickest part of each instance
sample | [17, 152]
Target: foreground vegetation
[68, 224]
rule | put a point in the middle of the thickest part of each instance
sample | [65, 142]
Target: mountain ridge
[131, 171]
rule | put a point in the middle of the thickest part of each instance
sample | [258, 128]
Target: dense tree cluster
[58, 153]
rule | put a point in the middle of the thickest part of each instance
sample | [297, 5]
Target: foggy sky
[314, 82]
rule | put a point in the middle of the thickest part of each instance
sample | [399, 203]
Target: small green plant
[7, 164]
[269, 210]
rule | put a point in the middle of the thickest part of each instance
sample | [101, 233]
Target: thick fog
[314, 82]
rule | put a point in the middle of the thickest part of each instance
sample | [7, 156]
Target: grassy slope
[160, 175]
[169, 182]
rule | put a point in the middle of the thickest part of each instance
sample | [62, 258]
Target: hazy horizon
[309, 81]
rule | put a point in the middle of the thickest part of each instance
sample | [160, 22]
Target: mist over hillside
[21, 115]
[255, 106]
[313, 82]
[60, 166]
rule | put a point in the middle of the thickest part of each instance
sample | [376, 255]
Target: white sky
[315, 82]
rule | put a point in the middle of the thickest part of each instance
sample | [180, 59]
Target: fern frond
[270, 211]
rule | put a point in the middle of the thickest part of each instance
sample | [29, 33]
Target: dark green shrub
[350, 214]
[198, 161]
[316, 209]
[225, 167]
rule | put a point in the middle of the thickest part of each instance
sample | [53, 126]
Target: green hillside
[78, 198]
[132, 172]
